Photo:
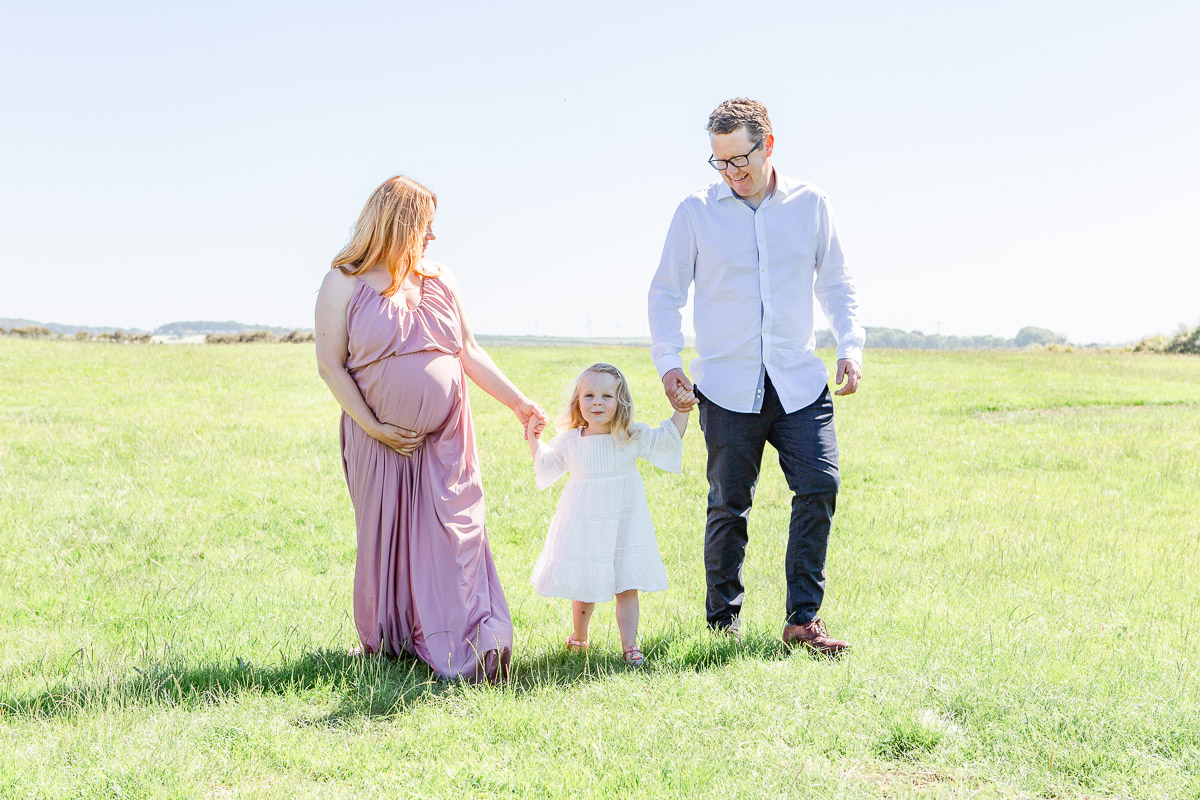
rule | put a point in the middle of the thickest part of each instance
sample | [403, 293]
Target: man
[759, 247]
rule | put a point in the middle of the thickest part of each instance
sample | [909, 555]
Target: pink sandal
[574, 645]
[634, 657]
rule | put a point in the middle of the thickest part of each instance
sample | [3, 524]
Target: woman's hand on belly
[402, 440]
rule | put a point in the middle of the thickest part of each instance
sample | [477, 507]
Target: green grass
[1016, 558]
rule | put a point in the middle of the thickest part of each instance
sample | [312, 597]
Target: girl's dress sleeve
[549, 464]
[661, 446]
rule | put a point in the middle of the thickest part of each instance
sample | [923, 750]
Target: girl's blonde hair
[390, 230]
[622, 422]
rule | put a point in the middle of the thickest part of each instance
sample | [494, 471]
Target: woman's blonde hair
[622, 422]
[390, 230]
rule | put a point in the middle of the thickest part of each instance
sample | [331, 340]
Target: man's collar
[782, 185]
[725, 191]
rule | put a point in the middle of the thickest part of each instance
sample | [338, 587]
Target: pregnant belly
[417, 391]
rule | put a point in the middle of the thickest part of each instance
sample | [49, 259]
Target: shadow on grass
[669, 652]
[377, 687]
[372, 686]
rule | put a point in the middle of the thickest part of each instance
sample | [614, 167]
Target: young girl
[601, 542]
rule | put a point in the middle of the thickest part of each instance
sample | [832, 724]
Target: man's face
[751, 181]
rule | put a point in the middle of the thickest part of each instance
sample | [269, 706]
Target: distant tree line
[116, 337]
[42, 332]
[192, 328]
[119, 337]
[1184, 341]
[28, 332]
[892, 338]
[295, 337]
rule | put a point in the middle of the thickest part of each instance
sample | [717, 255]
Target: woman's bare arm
[333, 348]
[486, 375]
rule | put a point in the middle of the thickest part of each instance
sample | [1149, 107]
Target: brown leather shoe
[815, 637]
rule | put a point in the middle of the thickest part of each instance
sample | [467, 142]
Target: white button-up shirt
[755, 272]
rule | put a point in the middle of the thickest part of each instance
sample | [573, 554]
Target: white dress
[601, 540]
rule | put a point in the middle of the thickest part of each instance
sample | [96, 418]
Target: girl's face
[598, 400]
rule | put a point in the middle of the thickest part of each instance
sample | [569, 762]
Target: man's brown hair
[738, 112]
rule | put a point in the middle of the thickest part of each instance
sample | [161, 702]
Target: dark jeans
[808, 455]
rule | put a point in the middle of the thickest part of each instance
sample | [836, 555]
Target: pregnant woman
[395, 349]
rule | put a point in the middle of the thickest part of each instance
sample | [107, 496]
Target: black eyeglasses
[736, 161]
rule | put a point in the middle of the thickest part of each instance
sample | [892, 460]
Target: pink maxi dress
[424, 579]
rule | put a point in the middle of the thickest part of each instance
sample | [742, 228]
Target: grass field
[1016, 558]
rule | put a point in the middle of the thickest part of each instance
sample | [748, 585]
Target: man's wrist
[665, 365]
[854, 354]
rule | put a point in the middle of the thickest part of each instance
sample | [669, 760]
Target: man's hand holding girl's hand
[672, 382]
[684, 399]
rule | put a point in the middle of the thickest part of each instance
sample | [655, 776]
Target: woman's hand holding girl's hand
[533, 430]
[402, 440]
[528, 411]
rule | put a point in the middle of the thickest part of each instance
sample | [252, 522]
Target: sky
[990, 166]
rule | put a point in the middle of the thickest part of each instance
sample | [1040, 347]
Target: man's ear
[769, 144]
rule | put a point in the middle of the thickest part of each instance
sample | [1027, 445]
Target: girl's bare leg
[627, 617]
[581, 618]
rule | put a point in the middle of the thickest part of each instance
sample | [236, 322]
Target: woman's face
[429, 237]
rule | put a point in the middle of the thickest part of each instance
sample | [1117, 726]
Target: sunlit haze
[991, 166]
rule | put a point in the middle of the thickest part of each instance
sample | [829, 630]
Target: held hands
[531, 416]
[533, 432]
[402, 440]
[679, 390]
[684, 397]
[849, 371]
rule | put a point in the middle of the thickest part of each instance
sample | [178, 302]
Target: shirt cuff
[852, 352]
[666, 363]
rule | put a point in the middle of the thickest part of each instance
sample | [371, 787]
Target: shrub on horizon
[298, 337]
[1184, 342]
[1031, 335]
[240, 338]
[29, 332]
